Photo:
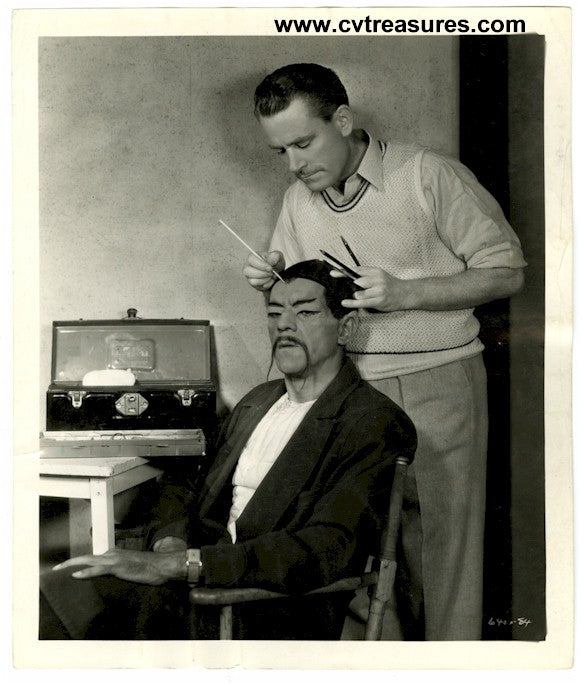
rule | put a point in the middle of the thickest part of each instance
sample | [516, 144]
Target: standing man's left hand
[132, 565]
[379, 291]
[382, 292]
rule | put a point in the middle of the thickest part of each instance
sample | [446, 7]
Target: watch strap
[194, 565]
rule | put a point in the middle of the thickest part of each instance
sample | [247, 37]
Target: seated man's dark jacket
[316, 514]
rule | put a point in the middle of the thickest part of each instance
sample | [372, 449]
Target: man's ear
[347, 327]
[343, 119]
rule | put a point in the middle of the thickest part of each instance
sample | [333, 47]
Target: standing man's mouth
[303, 177]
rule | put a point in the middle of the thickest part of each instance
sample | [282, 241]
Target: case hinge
[131, 404]
[76, 398]
[186, 396]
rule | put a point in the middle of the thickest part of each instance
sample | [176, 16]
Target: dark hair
[319, 86]
[335, 290]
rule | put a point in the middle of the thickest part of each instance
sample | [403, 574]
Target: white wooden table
[96, 479]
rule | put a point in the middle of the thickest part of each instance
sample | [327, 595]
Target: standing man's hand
[260, 273]
[378, 291]
[381, 292]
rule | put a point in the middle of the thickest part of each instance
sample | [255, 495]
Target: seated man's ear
[347, 327]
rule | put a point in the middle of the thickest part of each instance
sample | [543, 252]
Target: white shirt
[261, 451]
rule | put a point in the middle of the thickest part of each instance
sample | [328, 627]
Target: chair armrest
[230, 596]
[233, 596]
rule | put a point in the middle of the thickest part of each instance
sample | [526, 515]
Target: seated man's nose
[286, 322]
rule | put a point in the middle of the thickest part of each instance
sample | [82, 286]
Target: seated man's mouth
[287, 343]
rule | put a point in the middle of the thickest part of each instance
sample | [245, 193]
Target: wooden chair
[380, 581]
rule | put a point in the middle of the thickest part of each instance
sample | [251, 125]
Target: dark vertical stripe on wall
[527, 313]
[484, 149]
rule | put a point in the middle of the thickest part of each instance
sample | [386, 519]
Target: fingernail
[77, 574]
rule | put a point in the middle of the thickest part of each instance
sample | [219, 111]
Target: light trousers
[440, 583]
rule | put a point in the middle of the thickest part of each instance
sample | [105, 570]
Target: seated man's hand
[169, 544]
[260, 273]
[131, 565]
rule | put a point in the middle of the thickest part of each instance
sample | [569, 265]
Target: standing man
[429, 243]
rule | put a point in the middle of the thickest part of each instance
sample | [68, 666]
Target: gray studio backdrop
[145, 143]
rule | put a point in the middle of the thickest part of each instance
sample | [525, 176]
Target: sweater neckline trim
[363, 186]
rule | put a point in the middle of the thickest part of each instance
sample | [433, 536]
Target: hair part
[319, 86]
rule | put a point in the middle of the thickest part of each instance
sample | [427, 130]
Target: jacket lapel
[297, 461]
[250, 414]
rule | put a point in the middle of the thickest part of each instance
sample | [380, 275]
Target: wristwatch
[194, 565]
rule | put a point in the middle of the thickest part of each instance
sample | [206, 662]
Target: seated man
[293, 500]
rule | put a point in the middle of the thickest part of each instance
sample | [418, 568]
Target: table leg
[79, 527]
[102, 514]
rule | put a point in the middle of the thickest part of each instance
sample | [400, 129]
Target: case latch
[131, 404]
[186, 396]
[76, 398]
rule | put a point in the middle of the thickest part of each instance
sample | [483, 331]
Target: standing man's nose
[295, 162]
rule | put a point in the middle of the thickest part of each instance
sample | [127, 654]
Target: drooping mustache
[289, 339]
